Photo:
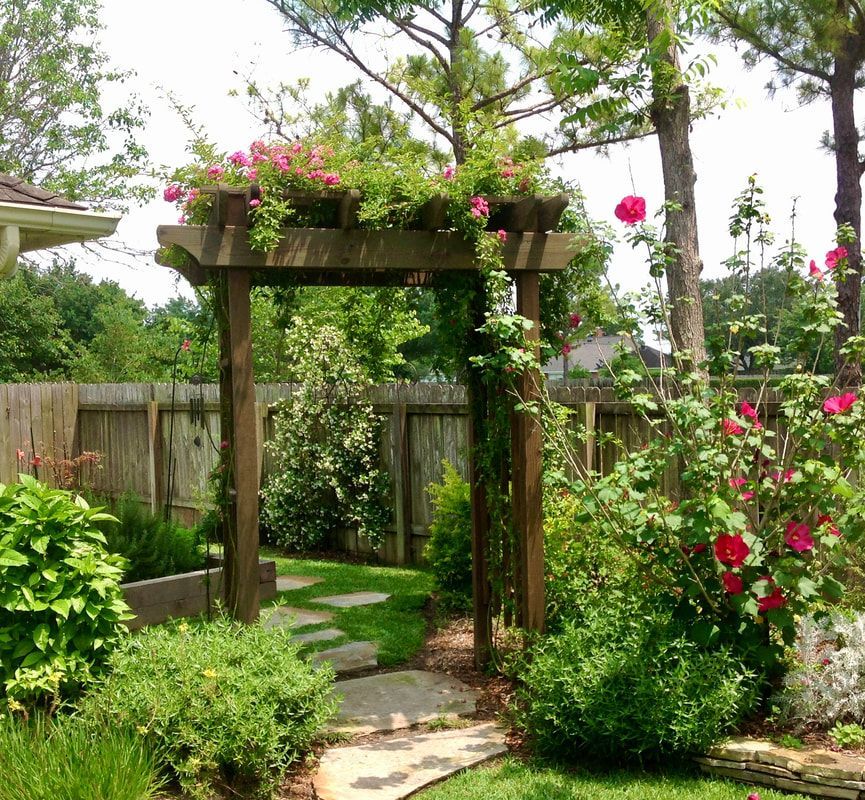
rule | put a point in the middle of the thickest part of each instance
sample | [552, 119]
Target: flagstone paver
[287, 616]
[317, 636]
[395, 768]
[349, 657]
[397, 700]
[286, 583]
[352, 600]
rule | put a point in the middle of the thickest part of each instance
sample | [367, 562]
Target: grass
[516, 780]
[397, 625]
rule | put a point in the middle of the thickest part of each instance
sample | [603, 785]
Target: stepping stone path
[352, 600]
[395, 768]
[288, 617]
[286, 583]
[350, 657]
[317, 636]
[397, 700]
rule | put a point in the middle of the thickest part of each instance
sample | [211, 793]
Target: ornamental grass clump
[222, 704]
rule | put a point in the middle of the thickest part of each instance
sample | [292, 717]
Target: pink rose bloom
[798, 536]
[257, 146]
[574, 320]
[814, 271]
[508, 172]
[825, 519]
[193, 194]
[331, 179]
[254, 203]
[172, 193]
[631, 210]
[834, 256]
[502, 234]
[731, 549]
[480, 207]
[753, 796]
[281, 162]
[731, 427]
[185, 345]
[566, 348]
[181, 220]
[239, 159]
[296, 148]
[251, 174]
[839, 404]
[315, 175]
[215, 172]
[257, 158]
[732, 583]
[449, 173]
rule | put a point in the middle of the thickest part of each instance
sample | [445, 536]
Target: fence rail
[131, 426]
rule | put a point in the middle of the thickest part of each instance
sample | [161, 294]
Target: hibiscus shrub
[631, 686]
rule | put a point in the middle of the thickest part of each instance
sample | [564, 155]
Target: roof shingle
[14, 190]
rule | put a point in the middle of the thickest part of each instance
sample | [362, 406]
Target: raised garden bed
[811, 770]
[186, 595]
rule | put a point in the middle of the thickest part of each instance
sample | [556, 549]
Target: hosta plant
[61, 607]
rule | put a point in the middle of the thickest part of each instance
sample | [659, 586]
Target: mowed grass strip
[397, 625]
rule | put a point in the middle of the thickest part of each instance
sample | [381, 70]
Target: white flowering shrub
[326, 449]
[827, 683]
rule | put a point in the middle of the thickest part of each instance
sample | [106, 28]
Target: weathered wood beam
[344, 250]
[349, 205]
[433, 214]
[550, 211]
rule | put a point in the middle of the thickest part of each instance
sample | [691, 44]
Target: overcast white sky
[193, 47]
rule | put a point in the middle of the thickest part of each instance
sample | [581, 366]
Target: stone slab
[328, 634]
[397, 700]
[286, 583]
[350, 657]
[396, 768]
[353, 599]
[288, 617]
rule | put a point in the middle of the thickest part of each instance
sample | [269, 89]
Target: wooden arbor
[347, 256]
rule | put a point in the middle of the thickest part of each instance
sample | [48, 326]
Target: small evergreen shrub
[221, 703]
[449, 549]
[626, 684]
[62, 759]
[153, 547]
[61, 606]
[826, 684]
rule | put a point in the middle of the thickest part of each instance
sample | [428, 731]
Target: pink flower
[240, 159]
[698, 548]
[732, 583]
[193, 194]
[574, 320]
[254, 203]
[814, 271]
[331, 179]
[185, 345]
[449, 173]
[480, 207]
[172, 193]
[296, 148]
[753, 796]
[502, 235]
[251, 174]
[181, 220]
[798, 536]
[36, 461]
[566, 348]
[786, 477]
[825, 519]
[747, 410]
[19, 453]
[631, 210]
[731, 549]
[215, 172]
[746, 496]
[223, 445]
[774, 600]
[731, 427]
[508, 172]
[834, 256]
[735, 483]
[839, 403]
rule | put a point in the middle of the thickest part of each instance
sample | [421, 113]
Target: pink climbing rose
[631, 210]
[574, 320]
[798, 536]
[480, 207]
[502, 235]
[172, 193]
[839, 404]
[215, 172]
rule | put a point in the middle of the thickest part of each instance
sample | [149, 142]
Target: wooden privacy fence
[131, 426]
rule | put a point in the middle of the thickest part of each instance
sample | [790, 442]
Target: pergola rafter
[340, 253]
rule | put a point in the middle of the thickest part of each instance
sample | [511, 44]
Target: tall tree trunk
[671, 115]
[848, 200]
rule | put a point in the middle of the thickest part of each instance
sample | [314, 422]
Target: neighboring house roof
[595, 352]
[35, 219]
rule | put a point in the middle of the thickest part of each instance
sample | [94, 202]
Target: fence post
[154, 441]
[401, 482]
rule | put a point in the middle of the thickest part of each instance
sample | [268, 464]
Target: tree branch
[494, 98]
[574, 147]
[425, 43]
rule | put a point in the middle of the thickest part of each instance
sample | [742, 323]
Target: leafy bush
[219, 702]
[62, 759]
[826, 683]
[631, 685]
[153, 547]
[60, 601]
[449, 550]
[325, 449]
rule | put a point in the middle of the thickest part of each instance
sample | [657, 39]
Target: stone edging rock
[811, 770]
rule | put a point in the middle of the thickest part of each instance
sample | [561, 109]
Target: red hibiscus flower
[814, 271]
[731, 427]
[839, 404]
[732, 583]
[574, 320]
[566, 348]
[786, 477]
[774, 600]
[834, 256]
[731, 549]
[825, 519]
[631, 210]
[735, 483]
[747, 496]
[798, 536]
[747, 410]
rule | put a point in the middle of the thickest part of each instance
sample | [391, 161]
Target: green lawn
[397, 625]
[515, 780]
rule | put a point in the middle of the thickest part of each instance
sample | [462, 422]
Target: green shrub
[60, 601]
[630, 684]
[62, 759]
[220, 702]
[449, 550]
[154, 548]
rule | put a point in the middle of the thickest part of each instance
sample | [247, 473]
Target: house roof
[15, 190]
[595, 352]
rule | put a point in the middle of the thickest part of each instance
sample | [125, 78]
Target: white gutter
[25, 227]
